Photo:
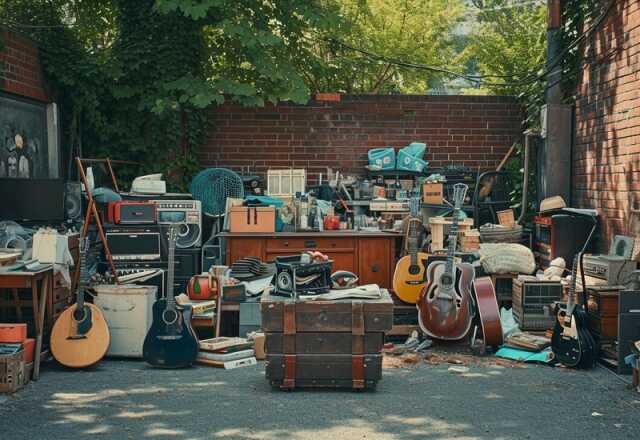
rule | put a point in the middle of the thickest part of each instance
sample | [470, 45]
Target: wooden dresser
[370, 255]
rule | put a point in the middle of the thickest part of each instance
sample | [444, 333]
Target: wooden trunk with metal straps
[331, 344]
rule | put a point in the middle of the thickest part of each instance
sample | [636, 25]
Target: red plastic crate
[13, 333]
[28, 349]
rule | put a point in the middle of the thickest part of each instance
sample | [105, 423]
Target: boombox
[131, 213]
[187, 214]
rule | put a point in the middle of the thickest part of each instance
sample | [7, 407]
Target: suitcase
[324, 343]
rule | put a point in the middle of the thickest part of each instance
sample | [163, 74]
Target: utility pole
[554, 159]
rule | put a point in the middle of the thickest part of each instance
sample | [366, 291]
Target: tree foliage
[417, 31]
[508, 48]
[134, 77]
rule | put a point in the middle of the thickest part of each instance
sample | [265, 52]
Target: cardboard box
[13, 333]
[432, 193]
[506, 218]
[252, 219]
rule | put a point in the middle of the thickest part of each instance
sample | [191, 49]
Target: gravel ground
[127, 400]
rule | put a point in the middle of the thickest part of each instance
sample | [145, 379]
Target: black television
[38, 200]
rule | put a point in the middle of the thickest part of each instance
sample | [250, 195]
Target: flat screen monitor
[32, 200]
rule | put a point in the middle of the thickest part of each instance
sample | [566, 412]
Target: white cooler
[127, 310]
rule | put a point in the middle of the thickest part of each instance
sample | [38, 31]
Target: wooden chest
[325, 343]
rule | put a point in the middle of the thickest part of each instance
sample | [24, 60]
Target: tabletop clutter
[318, 276]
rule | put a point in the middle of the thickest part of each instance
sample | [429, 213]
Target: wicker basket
[490, 233]
[14, 372]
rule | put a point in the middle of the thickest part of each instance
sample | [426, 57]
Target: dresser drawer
[319, 243]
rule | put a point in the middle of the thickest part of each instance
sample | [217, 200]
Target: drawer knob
[286, 244]
[375, 268]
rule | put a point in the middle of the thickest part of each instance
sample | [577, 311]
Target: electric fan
[212, 187]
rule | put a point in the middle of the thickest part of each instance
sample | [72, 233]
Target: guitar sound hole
[446, 280]
[79, 314]
[169, 317]
[414, 269]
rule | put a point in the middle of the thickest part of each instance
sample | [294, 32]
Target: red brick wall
[20, 70]
[606, 166]
[474, 131]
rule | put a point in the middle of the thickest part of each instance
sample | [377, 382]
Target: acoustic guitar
[571, 342]
[445, 304]
[409, 277]
[80, 336]
[488, 311]
[171, 341]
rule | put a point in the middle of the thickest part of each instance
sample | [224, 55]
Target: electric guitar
[171, 341]
[445, 308]
[572, 343]
[80, 337]
[409, 276]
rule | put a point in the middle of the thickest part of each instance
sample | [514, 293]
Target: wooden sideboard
[370, 255]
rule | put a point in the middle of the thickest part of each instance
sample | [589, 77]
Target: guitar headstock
[459, 193]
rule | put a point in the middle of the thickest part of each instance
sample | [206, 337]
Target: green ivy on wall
[134, 77]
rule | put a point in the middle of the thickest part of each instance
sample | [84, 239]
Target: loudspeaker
[73, 201]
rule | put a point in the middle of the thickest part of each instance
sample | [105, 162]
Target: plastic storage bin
[382, 158]
[408, 162]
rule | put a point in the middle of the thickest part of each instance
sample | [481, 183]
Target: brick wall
[606, 166]
[474, 131]
[20, 70]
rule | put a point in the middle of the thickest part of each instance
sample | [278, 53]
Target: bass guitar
[445, 308]
[171, 341]
[80, 337]
[571, 342]
[409, 277]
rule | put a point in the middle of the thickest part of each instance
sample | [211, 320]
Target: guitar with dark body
[572, 343]
[171, 341]
[445, 308]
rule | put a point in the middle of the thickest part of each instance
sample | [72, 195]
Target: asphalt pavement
[122, 399]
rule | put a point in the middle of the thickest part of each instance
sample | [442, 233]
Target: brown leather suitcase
[325, 343]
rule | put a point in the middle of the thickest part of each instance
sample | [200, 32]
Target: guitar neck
[453, 241]
[84, 274]
[171, 302]
[574, 280]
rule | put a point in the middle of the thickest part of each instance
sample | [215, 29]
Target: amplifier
[186, 213]
[613, 269]
[131, 213]
[142, 243]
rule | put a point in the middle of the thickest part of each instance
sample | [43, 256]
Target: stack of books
[227, 353]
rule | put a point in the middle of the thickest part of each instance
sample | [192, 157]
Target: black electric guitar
[572, 343]
[171, 341]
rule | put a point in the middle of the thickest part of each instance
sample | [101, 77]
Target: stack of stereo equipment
[137, 234]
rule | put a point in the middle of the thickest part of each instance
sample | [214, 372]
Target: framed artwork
[24, 146]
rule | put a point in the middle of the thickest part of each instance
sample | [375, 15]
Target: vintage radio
[613, 269]
[187, 213]
[131, 213]
[134, 243]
